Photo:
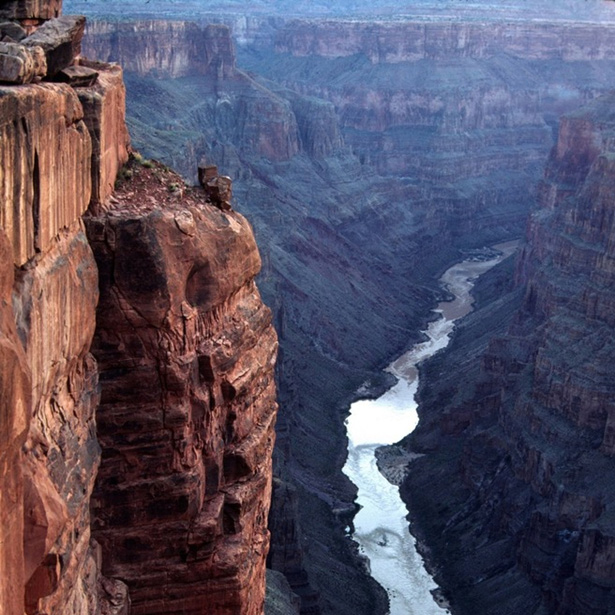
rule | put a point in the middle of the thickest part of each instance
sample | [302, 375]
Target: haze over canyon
[370, 146]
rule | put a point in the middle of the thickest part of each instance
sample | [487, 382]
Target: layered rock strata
[50, 388]
[186, 351]
[164, 48]
[208, 363]
[526, 500]
[317, 145]
[410, 40]
[38, 10]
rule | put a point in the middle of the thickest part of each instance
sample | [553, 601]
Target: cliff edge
[157, 315]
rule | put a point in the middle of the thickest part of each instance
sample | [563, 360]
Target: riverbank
[380, 526]
[445, 379]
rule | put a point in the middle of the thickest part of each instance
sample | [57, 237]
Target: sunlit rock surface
[51, 381]
[186, 351]
[61, 149]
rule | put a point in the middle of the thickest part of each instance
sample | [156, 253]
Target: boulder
[218, 188]
[60, 39]
[11, 31]
[19, 64]
[78, 76]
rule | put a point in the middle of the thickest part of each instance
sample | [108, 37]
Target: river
[380, 526]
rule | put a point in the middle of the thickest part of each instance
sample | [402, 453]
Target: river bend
[380, 526]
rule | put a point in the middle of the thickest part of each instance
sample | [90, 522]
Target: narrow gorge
[523, 500]
[370, 154]
[144, 464]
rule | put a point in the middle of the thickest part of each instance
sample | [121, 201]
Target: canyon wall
[364, 173]
[186, 351]
[522, 452]
[50, 380]
[164, 48]
[410, 41]
[136, 358]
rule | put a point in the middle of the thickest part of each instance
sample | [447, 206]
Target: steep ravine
[361, 193]
[380, 526]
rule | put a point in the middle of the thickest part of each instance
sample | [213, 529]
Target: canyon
[369, 157]
[137, 460]
[523, 501]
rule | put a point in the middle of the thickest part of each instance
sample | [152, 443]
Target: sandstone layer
[186, 351]
[520, 460]
[31, 9]
[164, 48]
[410, 40]
[50, 382]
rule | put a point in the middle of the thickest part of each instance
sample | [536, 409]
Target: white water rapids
[380, 526]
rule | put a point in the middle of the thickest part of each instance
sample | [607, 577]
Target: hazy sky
[463, 9]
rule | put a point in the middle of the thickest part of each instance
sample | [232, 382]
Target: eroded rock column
[186, 352]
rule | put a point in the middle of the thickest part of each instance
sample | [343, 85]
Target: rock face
[240, 109]
[104, 105]
[529, 517]
[186, 351]
[393, 42]
[53, 388]
[15, 396]
[182, 499]
[31, 9]
[164, 48]
[42, 194]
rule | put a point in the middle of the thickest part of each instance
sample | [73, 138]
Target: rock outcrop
[183, 518]
[164, 48]
[525, 494]
[52, 393]
[186, 351]
[104, 104]
[60, 39]
[19, 64]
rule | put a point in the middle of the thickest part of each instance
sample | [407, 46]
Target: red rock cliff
[186, 355]
[409, 41]
[50, 453]
[164, 48]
